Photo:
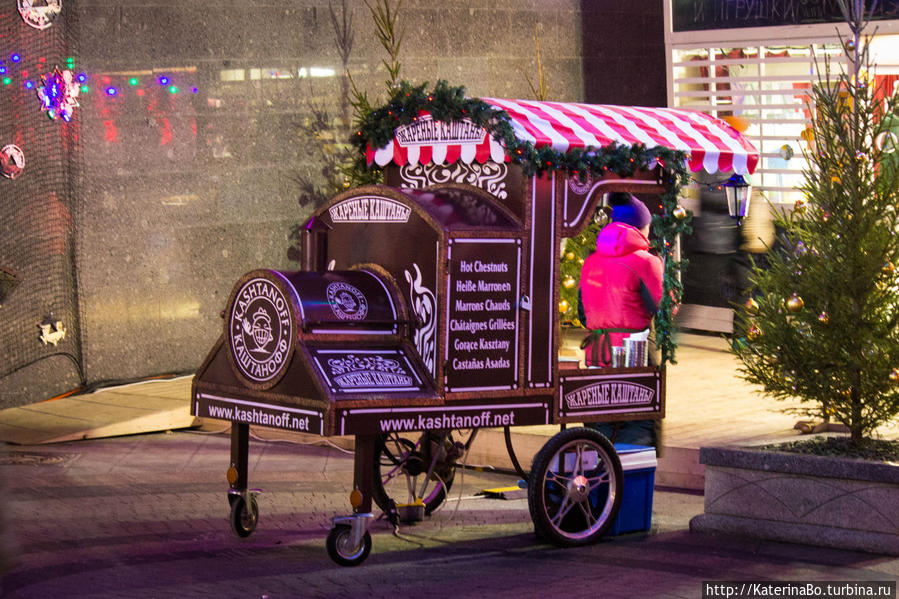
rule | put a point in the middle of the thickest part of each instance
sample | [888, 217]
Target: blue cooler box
[638, 465]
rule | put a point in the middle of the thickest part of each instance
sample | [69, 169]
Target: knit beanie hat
[629, 210]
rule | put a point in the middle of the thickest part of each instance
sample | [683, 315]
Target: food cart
[428, 305]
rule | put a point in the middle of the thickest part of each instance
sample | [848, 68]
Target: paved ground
[147, 516]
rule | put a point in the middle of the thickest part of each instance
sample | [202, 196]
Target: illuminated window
[232, 75]
[768, 86]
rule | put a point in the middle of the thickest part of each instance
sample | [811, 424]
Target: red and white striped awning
[711, 144]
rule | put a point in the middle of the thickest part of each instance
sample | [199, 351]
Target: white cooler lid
[636, 457]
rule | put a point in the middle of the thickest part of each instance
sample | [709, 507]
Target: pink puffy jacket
[610, 285]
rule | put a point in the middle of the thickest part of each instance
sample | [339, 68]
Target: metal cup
[618, 357]
[635, 353]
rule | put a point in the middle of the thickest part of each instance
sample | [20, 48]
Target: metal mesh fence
[37, 208]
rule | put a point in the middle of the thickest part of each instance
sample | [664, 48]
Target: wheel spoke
[563, 510]
[410, 485]
[436, 452]
[389, 476]
[595, 481]
[557, 478]
[588, 514]
[402, 451]
[579, 461]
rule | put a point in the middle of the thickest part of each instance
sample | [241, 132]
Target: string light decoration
[58, 92]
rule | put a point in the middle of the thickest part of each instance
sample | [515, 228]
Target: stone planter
[832, 502]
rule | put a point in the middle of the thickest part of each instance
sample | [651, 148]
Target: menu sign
[482, 314]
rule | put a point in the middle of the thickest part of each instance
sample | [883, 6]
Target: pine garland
[448, 103]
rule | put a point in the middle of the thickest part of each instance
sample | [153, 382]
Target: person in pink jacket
[621, 282]
[621, 287]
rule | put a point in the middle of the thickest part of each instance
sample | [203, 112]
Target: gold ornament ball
[795, 303]
[680, 213]
[888, 268]
[752, 306]
[850, 45]
[823, 317]
[894, 375]
[754, 333]
[564, 306]
[570, 256]
[580, 261]
[786, 151]
[569, 282]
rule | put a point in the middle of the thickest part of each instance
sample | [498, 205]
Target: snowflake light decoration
[12, 161]
[40, 14]
[57, 92]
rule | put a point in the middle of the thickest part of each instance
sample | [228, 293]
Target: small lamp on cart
[737, 191]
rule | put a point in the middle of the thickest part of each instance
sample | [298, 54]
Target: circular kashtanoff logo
[580, 184]
[346, 301]
[260, 330]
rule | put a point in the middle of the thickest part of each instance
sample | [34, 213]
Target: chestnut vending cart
[428, 305]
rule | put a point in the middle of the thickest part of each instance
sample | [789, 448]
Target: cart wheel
[341, 549]
[401, 465]
[244, 519]
[574, 490]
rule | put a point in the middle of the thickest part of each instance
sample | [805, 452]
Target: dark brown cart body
[431, 303]
[469, 285]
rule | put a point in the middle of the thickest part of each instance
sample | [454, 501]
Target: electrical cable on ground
[317, 443]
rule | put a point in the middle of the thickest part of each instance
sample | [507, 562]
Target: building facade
[757, 61]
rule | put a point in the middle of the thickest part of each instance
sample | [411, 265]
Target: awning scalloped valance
[711, 144]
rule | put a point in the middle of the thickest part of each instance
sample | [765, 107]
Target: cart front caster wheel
[341, 548]
[575, 487]
[244, 514]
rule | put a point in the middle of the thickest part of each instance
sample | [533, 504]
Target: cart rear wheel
[575, 486]
[244, 517]
[402, 462]
[341, 548]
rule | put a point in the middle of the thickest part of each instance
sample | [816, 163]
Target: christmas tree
[574, 253]
[823, 323]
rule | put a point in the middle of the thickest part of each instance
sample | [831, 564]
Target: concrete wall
[174, 196]
[624, 52]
